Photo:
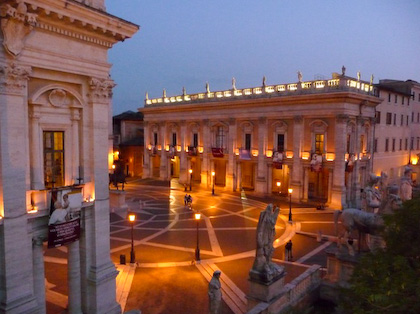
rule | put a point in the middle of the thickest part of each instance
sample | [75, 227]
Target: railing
[293, 291]
[316, 86]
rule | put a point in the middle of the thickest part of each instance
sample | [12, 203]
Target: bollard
[122, 259]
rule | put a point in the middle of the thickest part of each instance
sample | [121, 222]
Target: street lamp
[190, 171]
[278, 183]
[197, 217]
[290, 204]
[132, 218]
[212, 177]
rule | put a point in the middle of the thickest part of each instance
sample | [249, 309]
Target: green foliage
[388, 281]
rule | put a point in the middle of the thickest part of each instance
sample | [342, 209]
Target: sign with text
[63, 233]
[217, 151]
[277, 160]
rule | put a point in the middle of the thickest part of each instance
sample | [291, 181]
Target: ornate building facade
[55, 139]
[315, 137]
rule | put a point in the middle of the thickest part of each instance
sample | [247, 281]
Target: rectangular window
[220, 137]
[319, 143]
[418, 143]
[395, 119]
[388, 118]
[412, 143]
[389, 97]
[378, 117]
[400, 143]
[53, 158]
[348, 143]
[402, 100]
[413, 96]
[393, 144]
[406, 144]
[195, 139]
[375, 145]
[173, 139]
[280, 142]
[396, 99]
[418, 117]
[248, 141]
[155, 139]
[402, 119]
[386, 144]
[407, 120]
[412, 117]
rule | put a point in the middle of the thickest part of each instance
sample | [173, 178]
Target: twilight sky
[189, 42]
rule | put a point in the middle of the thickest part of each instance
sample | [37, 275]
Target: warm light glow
[159, 147]
[190, 171]
[178, 148]
[255, 152]
[131, 217]
[414, 160]
[305, 155]
[200, 149]
[346, 157]
[167, 148]
[269, 153]
[113, 166]
[197, 216]
[278, 183]
[213, 173]
[290, 191]
[149, 147]
[237, 152]
[330, 156]
[289, 154]
[33, 210]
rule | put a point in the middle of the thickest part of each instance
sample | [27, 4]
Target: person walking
[288, 249]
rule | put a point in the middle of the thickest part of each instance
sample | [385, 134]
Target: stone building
[397, 131]
[55, 139]
[315, 137]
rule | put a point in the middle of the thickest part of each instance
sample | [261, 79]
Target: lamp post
[197, 217]
[190, 171]
[278, 183]
[212, 177]
[290, 204]
[132, 218]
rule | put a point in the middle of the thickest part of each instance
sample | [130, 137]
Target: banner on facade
[217, 151]
[316, 163]
[244, 154]
[63, 233]
[192, 151]
[277, 160]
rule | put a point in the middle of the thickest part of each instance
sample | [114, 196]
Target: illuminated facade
[315, 137]
[55, 139]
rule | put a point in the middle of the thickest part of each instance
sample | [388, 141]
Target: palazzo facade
[315, 137]
[56, 139]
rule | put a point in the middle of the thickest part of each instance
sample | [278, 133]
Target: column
[231, 154]
[35, 146]
[356, 170]
[261, 181]
[39, 273]
[163, 173]
[338, 189]
[146, 152]
[296, 178]
[305, 187]
[205, 165]
[16, 271]
[183, 160]
[77, 166]
[73, 279]
[101, 272]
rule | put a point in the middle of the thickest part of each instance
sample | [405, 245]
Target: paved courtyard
[166, 278]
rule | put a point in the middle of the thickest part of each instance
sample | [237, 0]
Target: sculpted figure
[263, 267]
[300, 76]
[406, 185]
[372, 195]
[214, 292]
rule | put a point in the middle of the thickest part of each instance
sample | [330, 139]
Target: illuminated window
[319, 143]
[53, 158]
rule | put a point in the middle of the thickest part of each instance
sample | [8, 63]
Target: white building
[55, 131]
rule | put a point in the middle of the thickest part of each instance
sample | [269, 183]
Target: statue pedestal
[117, 200]
[260, 291]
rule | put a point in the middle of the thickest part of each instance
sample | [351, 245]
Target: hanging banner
[63, 233]
[192, 151]
[244, 154]
[217, 151]
[316, 163]
[277, 160]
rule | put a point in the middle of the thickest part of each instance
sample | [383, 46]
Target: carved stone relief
[13, 77]
[101, 89]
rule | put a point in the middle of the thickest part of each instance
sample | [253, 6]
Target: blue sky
[188, 43]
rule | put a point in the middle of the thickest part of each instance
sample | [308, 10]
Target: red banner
[63, 233]
[217, 151]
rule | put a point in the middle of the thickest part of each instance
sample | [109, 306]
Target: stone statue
[371, 79]
[233, 83]
[343, 70]
[264, 81]
[214, 292]
[164, 93]
[300, 76]
[147, 95]
[406, 185]
[373, 197]
[263, 268]
[359, 76]
[60, 214]
[207, 87]
[184, 91]
[392, 201]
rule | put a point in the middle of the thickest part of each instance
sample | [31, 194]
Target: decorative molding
[318, 126]
[280, 126]
[342, 118]
[16, 25]
[101, 90]
[13, 77]
[58, 98]
[298, 119]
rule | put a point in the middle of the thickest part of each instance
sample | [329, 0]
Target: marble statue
[359, 75]
[215, 293]
[406, 185]
[233, 83]
[264, 81]
[184, 91]
[300, 76]
[164, 93]
[343, 70]
[60, 214]
[207, 87]
[263, 268]
[372, 195]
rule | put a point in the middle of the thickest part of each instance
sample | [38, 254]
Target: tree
[388, 281]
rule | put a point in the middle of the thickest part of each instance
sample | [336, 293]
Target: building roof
[396, 86]
[129, 115]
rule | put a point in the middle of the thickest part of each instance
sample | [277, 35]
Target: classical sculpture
[214, 292]
[263, 268]
[207, 87]
[300, 76]
[233, 83]
[264, 81]
[60, 214]
[406, 185]
[372, 196]
[343, 70]
[359, 75]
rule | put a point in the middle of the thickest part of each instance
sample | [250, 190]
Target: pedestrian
[288, 249]
[185, 199]
[189, 201]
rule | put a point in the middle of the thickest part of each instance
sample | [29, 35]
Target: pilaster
[230, 175]
[338, 189]
[296, 171]
[261, 182]
[146, 153]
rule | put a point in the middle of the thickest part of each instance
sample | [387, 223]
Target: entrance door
[247, 175]
[175, 167]
[220, 170]
[318, 185]
[156, 166]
